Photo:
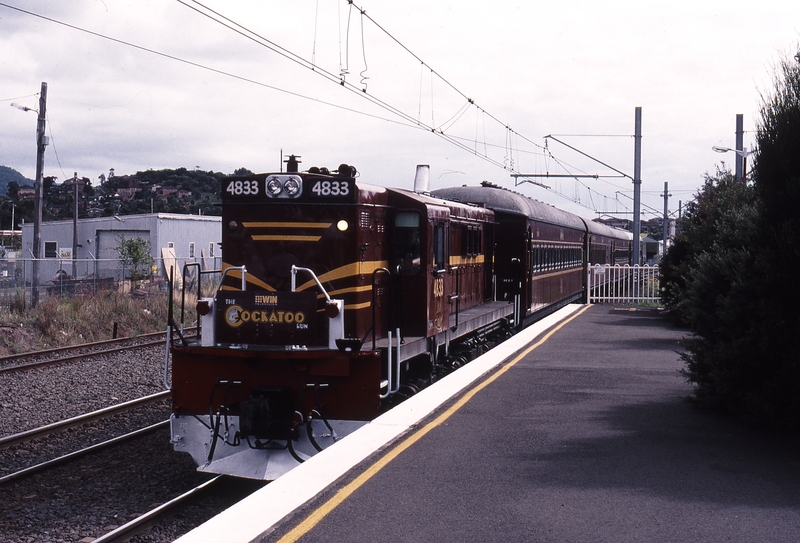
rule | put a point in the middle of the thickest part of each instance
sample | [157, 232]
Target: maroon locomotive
[340, 298]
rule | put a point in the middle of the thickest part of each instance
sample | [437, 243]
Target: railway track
[44, 431]
[212, 496]
[49, 464]
[100, 453]
[60, 355]
[156, 515]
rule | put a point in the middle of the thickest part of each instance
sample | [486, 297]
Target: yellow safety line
[322, 511]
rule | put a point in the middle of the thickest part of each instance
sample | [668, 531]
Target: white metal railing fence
[623, 284]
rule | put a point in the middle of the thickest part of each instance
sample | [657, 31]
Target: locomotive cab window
[407, 242]
[439, 247]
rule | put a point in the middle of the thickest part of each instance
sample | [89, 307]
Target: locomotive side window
[407, 244]
[474, 241]
[438, 247]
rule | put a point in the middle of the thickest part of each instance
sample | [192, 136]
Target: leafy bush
[730, 275]
[135, 254]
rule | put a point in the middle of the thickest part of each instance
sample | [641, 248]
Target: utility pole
[75, 228]
[637, 185]
[38, 200]
[666, 196]
[740, 155]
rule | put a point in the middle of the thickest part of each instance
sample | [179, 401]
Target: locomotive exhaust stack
[422, 179]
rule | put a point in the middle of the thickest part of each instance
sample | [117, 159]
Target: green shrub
[730, 277]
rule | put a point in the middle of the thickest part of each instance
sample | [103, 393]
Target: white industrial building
[174, 240]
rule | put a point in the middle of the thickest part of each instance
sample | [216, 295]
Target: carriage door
[439, 308]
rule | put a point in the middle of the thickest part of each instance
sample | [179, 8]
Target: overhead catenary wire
[200, 8]
[232, 25]
[508, 161]
[205, 67]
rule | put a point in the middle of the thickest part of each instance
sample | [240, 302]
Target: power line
[508, 162]
[240, 29]
[202, 66]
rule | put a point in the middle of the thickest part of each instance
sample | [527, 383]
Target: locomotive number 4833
[325, 188]
[330, 188]
[243, 187]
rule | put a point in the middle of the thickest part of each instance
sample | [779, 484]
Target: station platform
[575, 430]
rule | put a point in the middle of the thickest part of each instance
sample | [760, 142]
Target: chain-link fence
[71, 277]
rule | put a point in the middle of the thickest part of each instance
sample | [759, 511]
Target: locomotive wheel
[408, 390]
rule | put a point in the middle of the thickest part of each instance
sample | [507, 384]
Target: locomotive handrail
[457, 296]
[183, 290]
[374, 301]
[242, 268]
[295, 269]
[200, 274]
[390, 387]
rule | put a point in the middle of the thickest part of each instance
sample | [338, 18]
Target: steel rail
[66, 348]
[82, 452]
[82, 345]
[139, 524]
[43, 431]
[72, 358]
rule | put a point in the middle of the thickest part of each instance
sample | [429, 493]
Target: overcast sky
[490, 78]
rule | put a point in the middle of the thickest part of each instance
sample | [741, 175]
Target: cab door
[439, 278]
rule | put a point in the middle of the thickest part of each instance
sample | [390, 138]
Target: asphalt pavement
[589, 437]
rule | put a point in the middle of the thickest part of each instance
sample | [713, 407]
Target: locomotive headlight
[233, 225]
[342, 225]
[274, 186]
[283, 186]
[291, 186]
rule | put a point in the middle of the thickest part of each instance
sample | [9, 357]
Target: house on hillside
[25, 192]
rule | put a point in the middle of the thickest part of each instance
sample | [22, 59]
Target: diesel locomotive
[340, 298]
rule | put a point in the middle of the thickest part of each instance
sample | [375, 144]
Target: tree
[704, 221]
[730, 275]
[135, 254]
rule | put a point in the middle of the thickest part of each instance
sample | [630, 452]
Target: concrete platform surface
[580, 435]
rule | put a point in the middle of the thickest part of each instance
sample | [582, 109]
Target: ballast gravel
[92, 495]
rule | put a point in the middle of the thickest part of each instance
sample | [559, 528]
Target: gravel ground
[42, 396]
[91, 496]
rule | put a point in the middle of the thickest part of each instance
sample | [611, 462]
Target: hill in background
[9, 175]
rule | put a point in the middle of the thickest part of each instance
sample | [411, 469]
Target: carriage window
[407, 241]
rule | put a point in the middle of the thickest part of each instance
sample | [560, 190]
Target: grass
[60, 321]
